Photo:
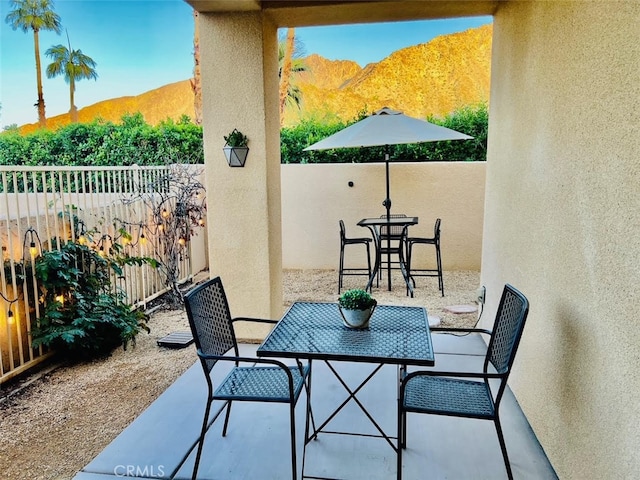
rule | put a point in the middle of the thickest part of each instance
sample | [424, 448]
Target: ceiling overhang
[288, 13]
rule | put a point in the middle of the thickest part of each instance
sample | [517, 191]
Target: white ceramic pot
[356, 318]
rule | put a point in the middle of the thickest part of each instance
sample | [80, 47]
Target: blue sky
[140, 45]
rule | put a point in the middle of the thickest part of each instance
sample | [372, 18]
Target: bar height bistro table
[374, 224]
[396, 335]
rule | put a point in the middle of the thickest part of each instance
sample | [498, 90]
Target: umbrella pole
[387, 204]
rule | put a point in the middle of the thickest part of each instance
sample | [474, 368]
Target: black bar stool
[344, 241]
[426, 272]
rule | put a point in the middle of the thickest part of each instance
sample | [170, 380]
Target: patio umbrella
[383, 128]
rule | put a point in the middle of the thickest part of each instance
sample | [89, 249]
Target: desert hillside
[433, 78]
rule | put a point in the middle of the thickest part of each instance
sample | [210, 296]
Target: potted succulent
[356, 307]
[235, 148]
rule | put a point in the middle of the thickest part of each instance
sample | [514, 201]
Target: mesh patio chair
[263, 380]
[426, 272]
[467, 394]
[344, 241]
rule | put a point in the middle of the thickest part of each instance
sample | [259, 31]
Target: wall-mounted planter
[236, 156]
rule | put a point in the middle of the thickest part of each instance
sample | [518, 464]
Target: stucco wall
[561, 223]
[316, 197]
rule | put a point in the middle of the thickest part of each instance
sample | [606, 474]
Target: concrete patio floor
[159, 443]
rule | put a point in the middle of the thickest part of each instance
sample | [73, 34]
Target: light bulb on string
[10, 319]
[143, 239]
[33, 250]
[165, 213]
[182, 241]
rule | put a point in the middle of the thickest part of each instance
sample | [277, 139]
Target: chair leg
[503, 447]
[292, 421]
[203, 432]
[226, 419]
[340, 268]
[439, 265]
[401, 437]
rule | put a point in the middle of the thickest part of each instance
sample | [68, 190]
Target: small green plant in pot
[236, 139]
[356, 308]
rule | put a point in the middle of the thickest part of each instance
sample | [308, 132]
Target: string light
[201, 222]
[182, 241]
[31, 236]
[82, 239]
[10, 316]
[165, 213]
[60, 299]
[143, 239]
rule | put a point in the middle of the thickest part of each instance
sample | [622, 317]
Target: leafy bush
[84, 315]
[104, 143]
[135, 142]
[472, 120]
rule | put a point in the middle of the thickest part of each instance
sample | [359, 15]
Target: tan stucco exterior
[561, 223]
[561, 209]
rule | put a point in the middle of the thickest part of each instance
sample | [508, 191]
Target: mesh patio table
[396, 335]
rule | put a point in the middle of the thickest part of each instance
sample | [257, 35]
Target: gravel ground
[54, 423]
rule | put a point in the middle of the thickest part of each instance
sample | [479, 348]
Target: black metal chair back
[343, 232]
[210, 321]
[507, 331]
[395, 231]
[436, 231]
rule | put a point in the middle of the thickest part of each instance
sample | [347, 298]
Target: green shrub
[102, 143]
[133, 141]
[84, 314]
[472, 120]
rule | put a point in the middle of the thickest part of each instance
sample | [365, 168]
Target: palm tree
[290, 63]
[74, 65]
[35, 15]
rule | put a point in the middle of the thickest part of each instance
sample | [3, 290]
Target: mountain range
[433, 78]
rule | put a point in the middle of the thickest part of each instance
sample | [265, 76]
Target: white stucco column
[240, 90]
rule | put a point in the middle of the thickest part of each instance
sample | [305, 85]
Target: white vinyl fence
[43, 207]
